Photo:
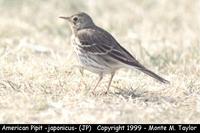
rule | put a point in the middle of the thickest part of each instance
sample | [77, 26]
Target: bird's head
[79, 21]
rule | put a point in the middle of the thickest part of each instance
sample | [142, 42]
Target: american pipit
[98, 51]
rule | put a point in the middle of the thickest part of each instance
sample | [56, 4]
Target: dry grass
[38, 83]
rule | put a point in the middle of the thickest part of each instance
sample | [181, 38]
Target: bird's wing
[99, 42]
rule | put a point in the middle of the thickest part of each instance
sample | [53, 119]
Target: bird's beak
[67, 18]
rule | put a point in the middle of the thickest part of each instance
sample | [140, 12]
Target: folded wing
[99, 42]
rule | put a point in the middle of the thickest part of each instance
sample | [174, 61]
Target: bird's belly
[92, 62]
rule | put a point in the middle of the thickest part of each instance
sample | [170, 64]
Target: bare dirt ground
[39, 83]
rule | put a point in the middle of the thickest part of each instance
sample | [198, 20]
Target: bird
[99, 52]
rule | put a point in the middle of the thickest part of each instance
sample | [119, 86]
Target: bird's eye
[75, 19]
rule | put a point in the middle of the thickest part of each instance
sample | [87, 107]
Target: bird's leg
[100, 78]
[81, 71]
[112, 75]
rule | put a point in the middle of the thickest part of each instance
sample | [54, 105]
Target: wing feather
[99, 42]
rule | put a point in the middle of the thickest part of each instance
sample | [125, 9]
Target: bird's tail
[152, 74]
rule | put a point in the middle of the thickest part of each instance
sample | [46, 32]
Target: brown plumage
[99, 52]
